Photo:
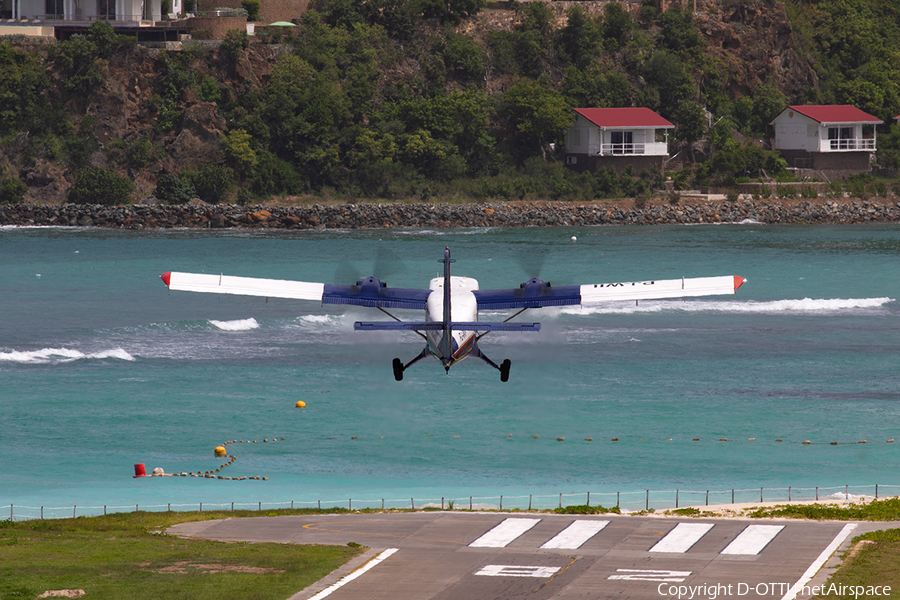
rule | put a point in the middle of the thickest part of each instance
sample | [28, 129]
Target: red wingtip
[166, 276]
[738, 281]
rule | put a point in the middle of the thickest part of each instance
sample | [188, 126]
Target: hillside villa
[617, 138]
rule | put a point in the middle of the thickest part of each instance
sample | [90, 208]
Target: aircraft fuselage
[463, 308]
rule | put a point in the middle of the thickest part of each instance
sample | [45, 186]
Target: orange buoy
[300, 404]
[220, 450]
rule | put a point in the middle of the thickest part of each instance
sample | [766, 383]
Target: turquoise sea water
[101, 367]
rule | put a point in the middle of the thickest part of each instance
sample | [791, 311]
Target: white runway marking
[753, 539]
[650, 575]
[517, 571]
[682, 537]
[504, 533]
[575, 535]
[347, 579]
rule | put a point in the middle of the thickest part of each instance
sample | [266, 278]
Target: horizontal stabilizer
[481, 326]
[398, 326]
[438, 325]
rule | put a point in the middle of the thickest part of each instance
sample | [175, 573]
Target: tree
[100, 186]
[534, 116]
[679, 34]
[172, 190]
[580, 39]
[238, 151]
[210, 183]
[690, 121]
[12, 190]
[617, 26]
[22, 82]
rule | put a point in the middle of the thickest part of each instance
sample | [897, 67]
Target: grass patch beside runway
[127, 556]
[876, 510]
[871, 564]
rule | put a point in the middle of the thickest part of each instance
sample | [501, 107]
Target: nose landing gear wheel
[398, 369]
[504, 370]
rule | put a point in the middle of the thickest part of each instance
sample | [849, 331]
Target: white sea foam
[810, 305]
[59, 355]
[319, 318]
[238, 325]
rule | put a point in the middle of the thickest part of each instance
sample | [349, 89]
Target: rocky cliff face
[123, 109]
[755, 41]
[751, 42]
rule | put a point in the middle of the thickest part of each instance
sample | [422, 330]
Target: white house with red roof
[832, 137]
[617, 138]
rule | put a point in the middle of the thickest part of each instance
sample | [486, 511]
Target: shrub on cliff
[100, 186]
[252, 8]
[172, 190]
[211, 182]
[11, 190]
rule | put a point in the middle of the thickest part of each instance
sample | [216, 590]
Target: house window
[575, 138]
[622, 142]
[841, 138]
[572, 160]
[53, 9]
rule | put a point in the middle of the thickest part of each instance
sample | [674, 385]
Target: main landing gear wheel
[504, 370]
[398, 369]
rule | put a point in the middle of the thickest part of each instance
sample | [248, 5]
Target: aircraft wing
[538, 293]
[359, 295]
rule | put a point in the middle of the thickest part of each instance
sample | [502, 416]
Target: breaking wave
[59, 355]
[238, 325]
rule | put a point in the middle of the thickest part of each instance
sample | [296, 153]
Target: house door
[622, 142]
[106, 10]
[841, 138]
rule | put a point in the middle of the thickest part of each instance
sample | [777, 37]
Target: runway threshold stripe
[575, 535]
[753, 539]
[682, 537]
[348, 578]
[817, 564]
[504, 533]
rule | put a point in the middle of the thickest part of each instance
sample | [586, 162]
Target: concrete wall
[583, 162]
[215, 27]
[270, 11]
[835, 165]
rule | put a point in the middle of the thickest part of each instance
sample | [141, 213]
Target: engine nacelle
[534, 282]
[371, 280]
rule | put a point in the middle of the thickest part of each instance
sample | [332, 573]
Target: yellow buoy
[300, 404]
[220, 450]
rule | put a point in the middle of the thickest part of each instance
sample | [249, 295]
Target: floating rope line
[221, 451]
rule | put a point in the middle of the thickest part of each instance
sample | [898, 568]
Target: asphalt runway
[486, 556]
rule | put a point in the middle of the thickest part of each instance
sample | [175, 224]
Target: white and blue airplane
[451, 328]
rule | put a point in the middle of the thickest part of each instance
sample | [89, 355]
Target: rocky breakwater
[512, 214]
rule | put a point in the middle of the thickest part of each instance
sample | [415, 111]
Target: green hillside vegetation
[385, 99]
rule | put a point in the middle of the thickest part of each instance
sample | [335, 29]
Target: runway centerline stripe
[753, 539]
[682, 537]
[504, 533]
[348, 578]
[575, 535]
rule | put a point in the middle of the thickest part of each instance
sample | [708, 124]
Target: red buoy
[139, 470]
